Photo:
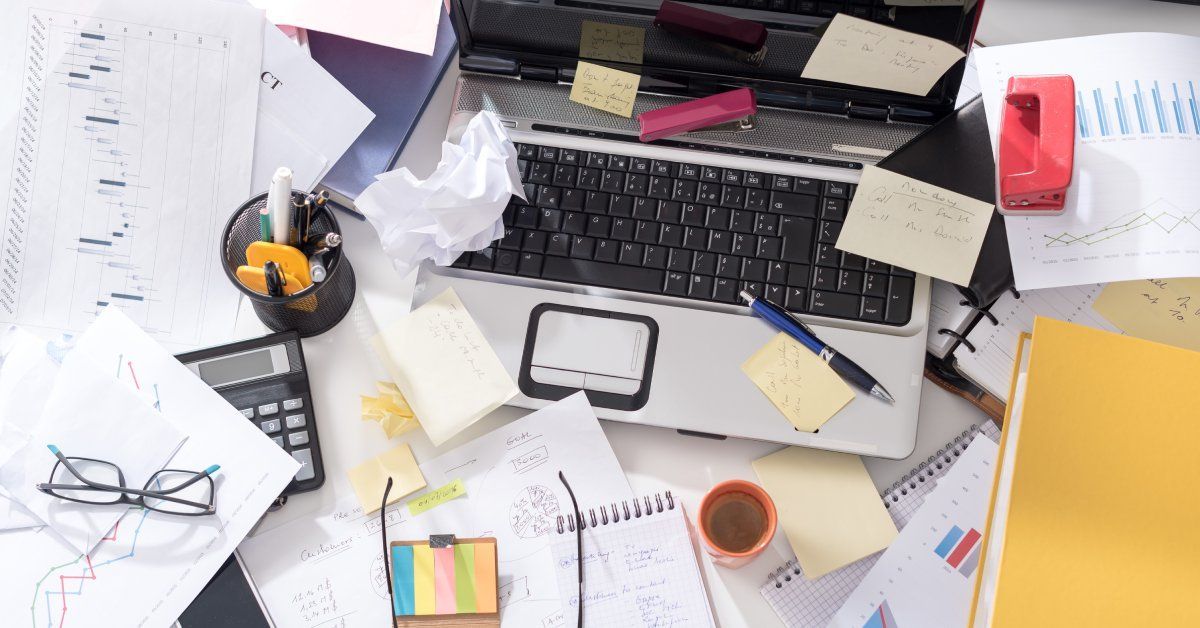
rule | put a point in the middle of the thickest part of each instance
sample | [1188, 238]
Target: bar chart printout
[133, 144]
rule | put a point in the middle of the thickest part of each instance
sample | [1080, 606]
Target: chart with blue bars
[1138, 107]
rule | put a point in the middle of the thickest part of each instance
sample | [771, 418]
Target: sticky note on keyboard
[800, 384]
[915, 225]
[370, 478]
[605, 88]
[611, 42]
[858, 52]
[1162, 310]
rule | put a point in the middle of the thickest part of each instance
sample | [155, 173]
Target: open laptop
[619, 275]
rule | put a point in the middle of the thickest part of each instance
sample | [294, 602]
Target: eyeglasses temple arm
[387, 570]
[578, 542]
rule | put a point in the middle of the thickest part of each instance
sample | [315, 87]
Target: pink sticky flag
[444, 596]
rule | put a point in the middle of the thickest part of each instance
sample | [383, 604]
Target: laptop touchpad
[600, 352]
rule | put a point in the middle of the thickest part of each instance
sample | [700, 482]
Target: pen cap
[311, 311]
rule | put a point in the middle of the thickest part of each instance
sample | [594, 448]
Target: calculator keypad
[271, 426]
[292, 426]
[268, 409]
[292, 404]
[304, 457]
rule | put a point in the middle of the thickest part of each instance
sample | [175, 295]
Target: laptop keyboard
[690, 231]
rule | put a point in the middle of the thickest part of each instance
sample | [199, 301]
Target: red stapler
[1037, 145]
[743, 39]
[729, 111]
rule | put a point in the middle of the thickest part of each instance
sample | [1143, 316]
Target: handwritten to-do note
[858, 52]
[800, 384]
[915, 225]
[611, 42]
[604, 88]
[444, 366]
[1162, 310]
[436, 497]
[370, 478]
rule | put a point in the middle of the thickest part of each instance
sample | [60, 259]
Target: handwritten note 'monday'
[915, 225]
[798, 383]
[858, 52]
[1162, 310]
[605, 88]
[611, 42]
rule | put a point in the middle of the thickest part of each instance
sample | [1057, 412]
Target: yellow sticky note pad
[1162, 310]
[611, 42]
[370, 477]
[800, 384]
[436, 497]
[604, 88]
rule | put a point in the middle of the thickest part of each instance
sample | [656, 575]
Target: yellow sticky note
[800, 384]
[605, 88]
[912, 224]
[436, 497]
[370, 477]
[611, 42]
[423, 584]
[827, 506]
[1162, 310]
[449, 373]
[857, 52]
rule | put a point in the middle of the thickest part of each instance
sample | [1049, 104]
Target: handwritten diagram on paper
[135, 136]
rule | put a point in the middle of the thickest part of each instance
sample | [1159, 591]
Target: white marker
[279, 201]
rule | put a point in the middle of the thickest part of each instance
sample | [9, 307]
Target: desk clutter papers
[149, 566]
[611, 42]
[411, 25]
[452, 582]
[1131, 209]
[926, 577]
[370, 477]
[445, 367]
[604, 88]
[151, 167]
[827, 506]
[803, 603]
[390, 409]
[512, 491]
[306, 119]
[1162, 310]
[798, 382]
[637, 571]
[458, 208]
[858, 52]
[917, 225]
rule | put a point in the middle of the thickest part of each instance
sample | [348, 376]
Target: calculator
[266, 380]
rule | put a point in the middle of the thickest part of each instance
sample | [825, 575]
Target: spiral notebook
[804, 603]
[638, 563]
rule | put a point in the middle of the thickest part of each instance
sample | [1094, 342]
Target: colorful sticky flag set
[455, 580]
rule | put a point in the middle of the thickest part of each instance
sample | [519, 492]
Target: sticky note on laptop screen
[457, 580]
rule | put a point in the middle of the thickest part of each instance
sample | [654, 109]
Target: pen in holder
[311, 311]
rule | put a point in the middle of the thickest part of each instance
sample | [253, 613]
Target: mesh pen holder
[310, 312]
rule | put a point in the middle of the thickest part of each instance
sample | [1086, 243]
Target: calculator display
[240, 367]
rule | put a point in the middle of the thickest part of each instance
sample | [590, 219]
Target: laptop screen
[541, 38]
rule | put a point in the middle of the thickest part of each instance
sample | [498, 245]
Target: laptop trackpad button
[617, 385]
[556, 377]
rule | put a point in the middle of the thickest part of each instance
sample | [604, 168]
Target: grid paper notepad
[804, 603]
[638, 570]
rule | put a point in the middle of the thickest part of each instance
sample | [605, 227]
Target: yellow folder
[1096, 519]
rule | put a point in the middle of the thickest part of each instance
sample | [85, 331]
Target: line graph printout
[132, 127]
[1133, 208]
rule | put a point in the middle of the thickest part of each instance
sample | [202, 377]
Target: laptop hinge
[539, 73]
[866, 112]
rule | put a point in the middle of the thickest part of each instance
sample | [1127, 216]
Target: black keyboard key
[607, 250]
[733, 197]
[731, 177]
[744, 244]
[694, 215]
[754, 179]
[794, 204]
[851, 281]
[801, 185]
[632, 253]
[798, 275]
[542, 173]
[872, 309]
[645, 208]
[725, 290]
[656, 256]
[876, 285]
[836, 304]
[774, 293]
[535, 242]
[637, 184]
[679, 260]
[558, 244]
[899, 301]
[598, 226]
[662, 168]
[829, 232]
[754, 270]
[463, 261]
[671, 235]
[902, 272]
[720, 241]
[506, 262]
[677, 284]
[806, 7]
[618, 162]
[770, 248]
[701, 287]
[623, 228]
[729, 266]
[589, 178]
[523, 169]
[795, 299]
[583, 247]
[742, 221]
[689, 171]
[549, 196]
[853, 262]
[564, 176]
[530, 265]
[646, 232]
[620, 205]
[685, 190]
[547, 153]
[640, 165]
[797, 236]
[825, 278]
[827, 255]
[596, 203]
[530, 190]
[572, 199]
[612, 181]
[526, 217]
[837, 189]
[833, 209]
[758, 200]
[877, 267]
[660, 188]
[568, 156]
[512, 238]
[575, 223]
[780, 182]
[753, 287]
[704, 263]
[527, 151]
[828, 9]
[695, 238]
[766, 224]
[709, 193]
[718, 218]
[777, 272]
[482, 260]
[550, 220]
[710, 173]
[597, 160]
[604, 275]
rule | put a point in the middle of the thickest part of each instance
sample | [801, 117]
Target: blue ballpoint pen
[782, 320]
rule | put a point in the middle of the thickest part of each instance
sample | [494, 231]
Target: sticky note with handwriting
[436, 497]
[915, 225]
[444, 366]
[858, 52]
[1162, 310]
[611, 42]
[800, 384]
[604, 88]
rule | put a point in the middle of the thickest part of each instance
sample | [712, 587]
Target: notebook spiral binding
[899, 488]
[984, 312]
[624, 513]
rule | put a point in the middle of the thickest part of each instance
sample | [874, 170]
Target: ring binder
[568, 523]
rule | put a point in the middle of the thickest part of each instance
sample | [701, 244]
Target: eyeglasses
[578, 543]
[387, 569]
[169, 491]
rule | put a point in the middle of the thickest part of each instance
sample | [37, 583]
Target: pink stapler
[743, 39]
[729, 111]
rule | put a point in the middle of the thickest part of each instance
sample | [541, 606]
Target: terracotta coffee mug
[736, 520]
